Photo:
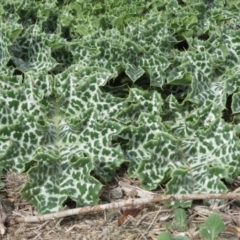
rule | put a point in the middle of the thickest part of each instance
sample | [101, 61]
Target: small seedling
[179, 222]
[209, 230]
[168, 236]
[212, 227]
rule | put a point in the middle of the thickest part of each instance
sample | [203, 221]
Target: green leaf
[211, 150]
[181, 238]
[232, 80]
[212, 227]
[134, 73]
[148, 128]
[55, 179]
[26, 98]
[4, 54]
[235, 103]
[181, 78]
[19, 142]
[180, 219]
[30, 52]
[168, 236]
[179, 222]
[165, 236]
[164, 154]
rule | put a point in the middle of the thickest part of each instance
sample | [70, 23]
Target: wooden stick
[131, 202]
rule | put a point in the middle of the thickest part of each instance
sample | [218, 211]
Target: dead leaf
[233, 229]
[133, 212]
[133, 191]
[116, 193]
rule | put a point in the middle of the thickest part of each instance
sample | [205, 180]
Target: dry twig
[131, 202]
[3, 217]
